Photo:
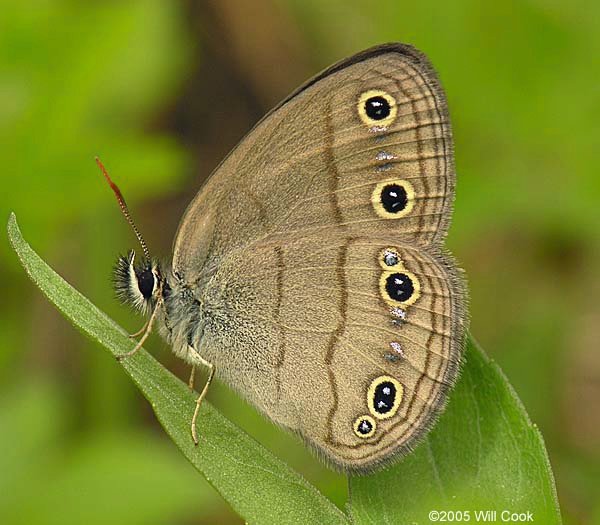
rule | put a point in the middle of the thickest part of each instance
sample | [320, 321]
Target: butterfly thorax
[180, 319]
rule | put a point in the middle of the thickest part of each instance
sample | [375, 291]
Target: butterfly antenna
[124, 208]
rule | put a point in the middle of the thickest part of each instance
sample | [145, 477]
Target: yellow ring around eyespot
[382, 254]
[383, 123]
[415, 282]
[378, 206]
[397, 400]
[359, 420]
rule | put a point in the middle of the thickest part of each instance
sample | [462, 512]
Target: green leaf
[259, 486]
[483, 454]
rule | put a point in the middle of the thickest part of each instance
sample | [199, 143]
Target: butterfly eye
[399, 288]
[377, 109]
[393, 199]
[384, 397]
[364, 426]
[146, 282]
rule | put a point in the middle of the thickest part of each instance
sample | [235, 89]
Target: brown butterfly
[309, 272]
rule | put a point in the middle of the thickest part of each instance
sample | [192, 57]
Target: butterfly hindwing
[311, 326]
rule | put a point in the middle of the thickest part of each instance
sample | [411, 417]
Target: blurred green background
[162, 91]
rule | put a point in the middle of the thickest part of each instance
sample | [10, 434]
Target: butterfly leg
[192, 378]
[140, 331]
[147, 330]
[211, 373]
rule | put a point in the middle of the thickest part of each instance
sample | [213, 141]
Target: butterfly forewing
[315, 161]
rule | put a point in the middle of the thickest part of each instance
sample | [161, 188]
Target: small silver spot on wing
[383, 167]
[396, 354]
[384, 155]
[397, 348]
[398, 315]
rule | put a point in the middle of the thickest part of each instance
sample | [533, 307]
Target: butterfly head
[139, 284]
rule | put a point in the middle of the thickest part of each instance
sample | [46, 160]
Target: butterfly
[309, 273]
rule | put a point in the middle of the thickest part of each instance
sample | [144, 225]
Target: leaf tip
[12, 228]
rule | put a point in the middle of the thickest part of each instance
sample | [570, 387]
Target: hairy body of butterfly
[310, 269]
